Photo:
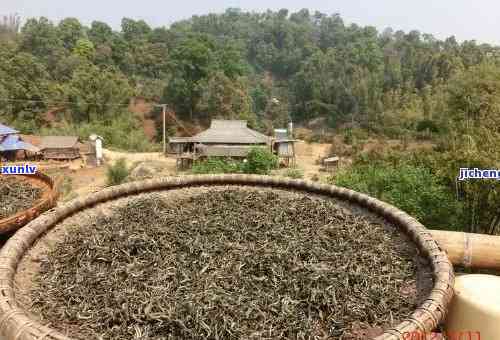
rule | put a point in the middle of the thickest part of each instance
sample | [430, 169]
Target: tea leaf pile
[16, 195]
[226, 263]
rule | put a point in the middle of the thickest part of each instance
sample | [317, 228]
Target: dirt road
[309, 156]
[131, 158]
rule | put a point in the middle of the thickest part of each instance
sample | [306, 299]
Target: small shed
[284, 146]
[60, 147]
[13, 146]
[179, 145]
[5, 131]
[331, 163]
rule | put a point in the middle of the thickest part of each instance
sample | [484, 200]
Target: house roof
[177, 140]
[331, 160]
[14, 143]
[32, 139]
[281, 133]
[230, 132]
[85, 148]
[282, 136]
[58, 142]
[5, 130]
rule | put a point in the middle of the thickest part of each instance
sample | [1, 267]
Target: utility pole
[164, 107]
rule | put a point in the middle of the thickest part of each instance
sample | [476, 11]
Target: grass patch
[117, 173]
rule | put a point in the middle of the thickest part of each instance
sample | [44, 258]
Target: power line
[53, 102]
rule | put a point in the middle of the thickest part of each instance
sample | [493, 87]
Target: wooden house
[60, 147]
[179, 145]
[331, 163]
[224, 138]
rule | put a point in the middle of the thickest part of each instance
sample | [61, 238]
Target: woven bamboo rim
[17, 325]
[48, 201]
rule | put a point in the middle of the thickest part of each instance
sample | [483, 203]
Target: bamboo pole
[470, 250]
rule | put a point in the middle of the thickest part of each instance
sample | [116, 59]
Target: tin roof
[14, 143]
[331, 160]
[32, 139]
[5, 130]
[177, 140]
[58, 142]
[281, 134]
[230, 132]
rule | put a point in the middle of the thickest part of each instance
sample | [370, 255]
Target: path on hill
[309, 157]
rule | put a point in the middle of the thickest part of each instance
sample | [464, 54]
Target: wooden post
[164, 130]
[164, 111]
[470, 250]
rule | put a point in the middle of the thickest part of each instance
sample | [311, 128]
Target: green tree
[260, 161]
[192, 62]
[85, 48]
[415, 190]
[135, 30]
[25, 82]
[40, 38]
[70, 31]
[226, 98]
[98, 94]
[474, 104]
[100, 33]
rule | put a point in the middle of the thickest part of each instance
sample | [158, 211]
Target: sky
[465, 19]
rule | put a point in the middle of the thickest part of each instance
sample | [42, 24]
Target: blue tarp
[14, 143]
[5, 130]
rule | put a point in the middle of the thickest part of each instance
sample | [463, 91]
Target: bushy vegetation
[117, 173]
[122, 133]
[411, 188]
[294, 173]
[216, 165]
[262, 67]
[265, 68]
[259, 161]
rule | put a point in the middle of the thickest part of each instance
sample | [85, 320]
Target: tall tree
[192, 62]
[70, 30]
[98, 94]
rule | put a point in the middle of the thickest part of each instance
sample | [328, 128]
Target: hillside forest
[269, 68]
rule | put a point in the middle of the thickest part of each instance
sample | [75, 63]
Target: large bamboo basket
[17, 325]
[46, 202]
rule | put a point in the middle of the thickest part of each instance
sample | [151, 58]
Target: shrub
[411, 188]
[348, 137]
[66, 188]
[294, 173]
[117, 174]
[260, 161]
[427, 125]
[215, 165]
[123, 133]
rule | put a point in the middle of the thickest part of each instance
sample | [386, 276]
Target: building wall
[285, 150]
[61, 153]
